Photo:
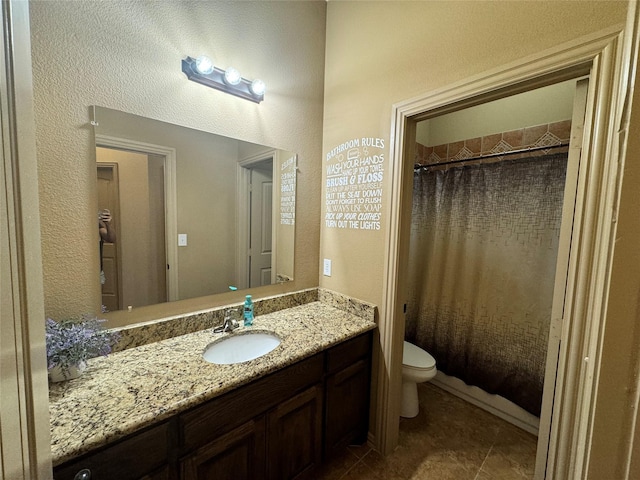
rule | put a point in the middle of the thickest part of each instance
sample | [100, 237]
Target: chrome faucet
[230, 323]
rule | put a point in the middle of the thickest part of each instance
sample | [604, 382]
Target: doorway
[255, 225]
[590, 246]
[109, 198]
[155, 181]
[261, 223]
[490, 236]
[131, 185]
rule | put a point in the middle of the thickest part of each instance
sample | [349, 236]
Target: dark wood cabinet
[347, 412]
[294, 437]
[143, 455]
[163, 474]
[347, 393]
[208, 421]
[285, 441]
[237, 455]
[279, 427]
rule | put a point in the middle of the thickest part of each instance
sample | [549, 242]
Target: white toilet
[418, 366]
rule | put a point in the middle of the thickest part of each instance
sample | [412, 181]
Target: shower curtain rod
[417, 166]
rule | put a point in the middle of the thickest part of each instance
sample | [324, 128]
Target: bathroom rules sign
[288, 192]
[353, 190]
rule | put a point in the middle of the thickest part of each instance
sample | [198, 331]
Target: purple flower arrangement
[71, 342]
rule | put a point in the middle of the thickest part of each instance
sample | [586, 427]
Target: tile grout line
[362, 470]
[344, 475]
[360, 460]
[484, 461]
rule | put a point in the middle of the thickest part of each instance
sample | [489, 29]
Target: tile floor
[449, 439]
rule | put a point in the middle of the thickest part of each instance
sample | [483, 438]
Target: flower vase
[59, 374]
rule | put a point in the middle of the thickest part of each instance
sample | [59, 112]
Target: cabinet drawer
[129, 459]
[203, 424]
[348, 352]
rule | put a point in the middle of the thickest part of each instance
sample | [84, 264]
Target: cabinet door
[294, 436]
[237, 455]
[347, 407]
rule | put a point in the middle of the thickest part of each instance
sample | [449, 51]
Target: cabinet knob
[84, 474]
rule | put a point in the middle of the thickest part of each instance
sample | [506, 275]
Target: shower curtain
[484, 243]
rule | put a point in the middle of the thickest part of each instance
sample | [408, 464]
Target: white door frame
[170, 200]
[242, 221]
[24, 411]
[602, 56]
[561, 272]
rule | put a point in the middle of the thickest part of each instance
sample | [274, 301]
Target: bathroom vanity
[160, 411]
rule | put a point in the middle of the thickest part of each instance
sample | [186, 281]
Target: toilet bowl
[417, 367]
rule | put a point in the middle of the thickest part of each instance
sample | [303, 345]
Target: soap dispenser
[248, 311]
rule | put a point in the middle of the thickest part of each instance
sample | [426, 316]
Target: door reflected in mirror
[131, 187]
[194, 212]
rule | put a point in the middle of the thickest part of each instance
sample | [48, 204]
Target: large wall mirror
[124, 57]
[193, 213]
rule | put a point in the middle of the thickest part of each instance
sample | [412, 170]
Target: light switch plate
[182, 239]
[327, 267]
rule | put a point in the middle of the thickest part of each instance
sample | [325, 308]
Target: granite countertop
[140, 386]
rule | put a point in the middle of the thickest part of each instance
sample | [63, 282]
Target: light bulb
[232, 76]
[258, 87]
[204, 65]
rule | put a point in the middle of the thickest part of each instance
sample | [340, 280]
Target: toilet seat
[414, 357]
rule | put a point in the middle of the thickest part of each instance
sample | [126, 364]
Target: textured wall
[400, 50]
[126, 56]
[381, 53]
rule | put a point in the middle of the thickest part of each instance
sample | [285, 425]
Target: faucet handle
[229, 323]
[230, 315]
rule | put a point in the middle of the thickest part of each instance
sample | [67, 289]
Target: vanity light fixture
[204, 65]
[232, 76]
[203, 71]
[258, 87]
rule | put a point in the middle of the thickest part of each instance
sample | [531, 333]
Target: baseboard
[495, 404]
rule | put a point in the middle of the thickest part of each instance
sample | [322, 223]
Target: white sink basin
[241, 347]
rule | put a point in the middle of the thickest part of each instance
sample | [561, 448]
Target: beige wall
[381, 53]
[402, 49]
[549, 104]
[126, 56]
